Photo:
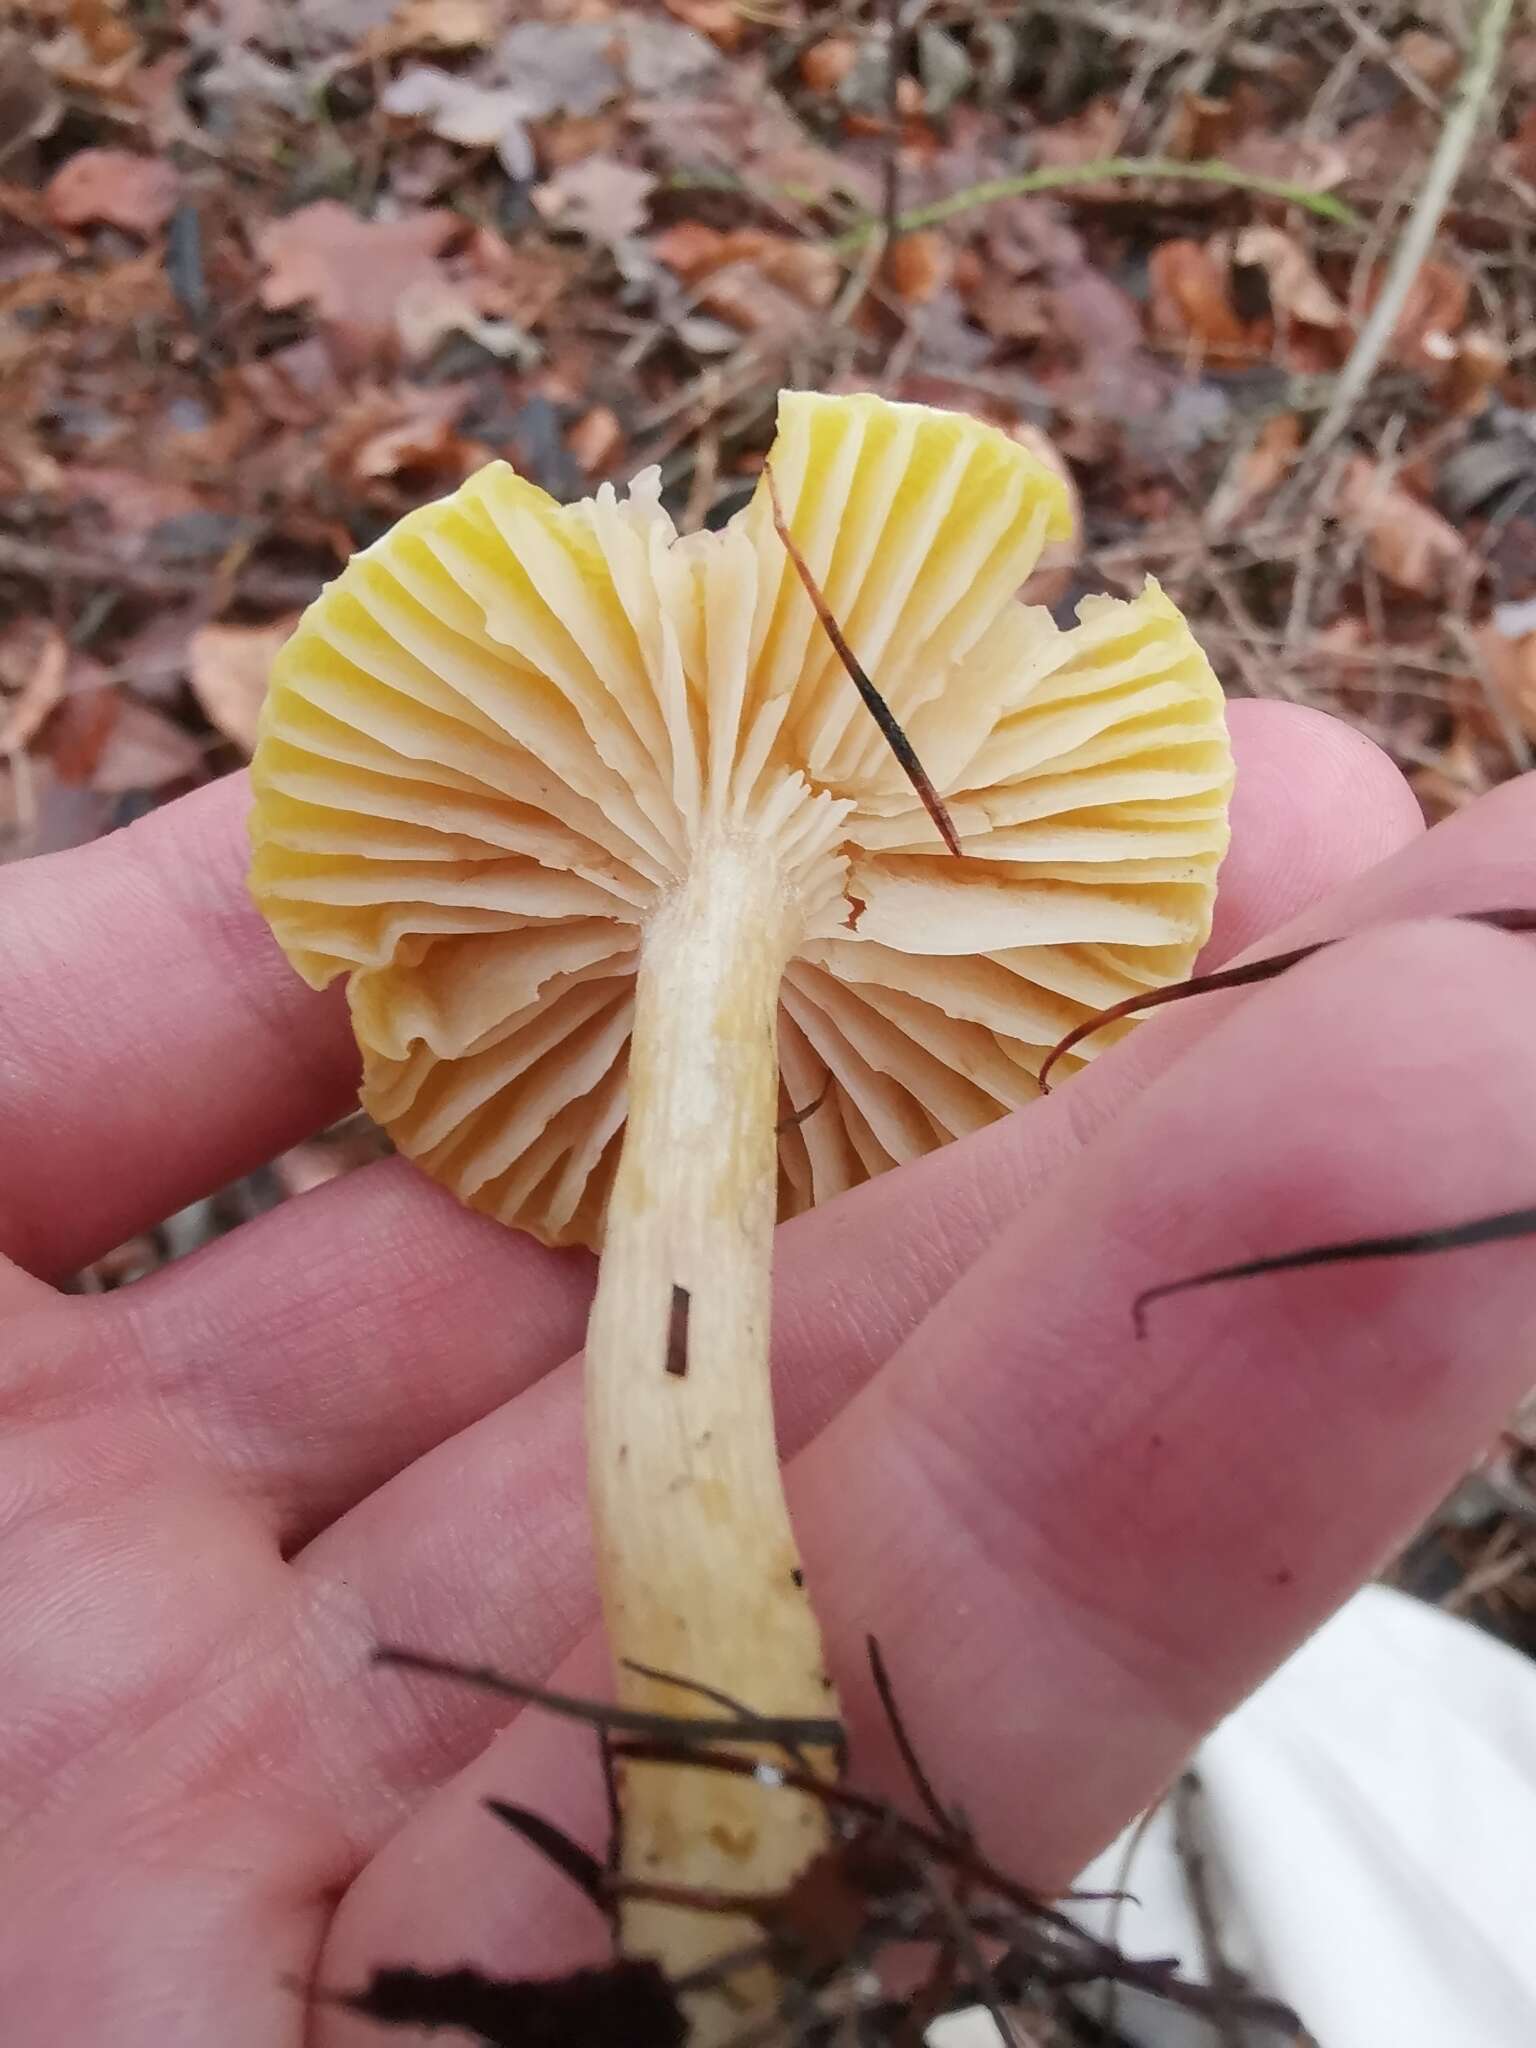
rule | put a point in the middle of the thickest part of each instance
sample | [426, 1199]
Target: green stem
[1060, 177]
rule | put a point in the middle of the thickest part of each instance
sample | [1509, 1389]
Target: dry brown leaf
[917, 267]
[755, 280]
[144, 750]
[1405, 539]
[1429, 57]
[433, 308]
[1191, 303]
[1097, 131]
[825, 64]
[600, 199]
[464, 111]
[1294, 285]
[1511, 670]
[723, 21]
[1010, 310]
[352, 271]
[1433, 313]
[228, 667]
[34, 662]
[112, 188]
[434, 24]
[1255, 474]
[134, 504]
[595, 439]
[115, 744]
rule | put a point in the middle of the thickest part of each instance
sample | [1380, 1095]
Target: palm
[351, 1421]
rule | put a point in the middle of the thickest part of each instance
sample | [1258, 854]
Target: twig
[1193, 1857]
[1504, 1227]
[1461, 120]
[1106, 170]
[874, 703]
[890, 162]
[1516, 920]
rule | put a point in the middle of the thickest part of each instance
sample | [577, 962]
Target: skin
[353, 1420]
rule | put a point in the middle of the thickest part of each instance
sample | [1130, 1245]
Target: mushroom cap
[509, 727]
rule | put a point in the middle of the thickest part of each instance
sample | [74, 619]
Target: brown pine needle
[1509, 1223]
[874, 703]
[796, 1117]
[1243, 977]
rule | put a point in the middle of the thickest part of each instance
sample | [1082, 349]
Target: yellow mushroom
[624, 878]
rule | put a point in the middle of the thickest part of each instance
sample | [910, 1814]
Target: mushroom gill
[495, 745]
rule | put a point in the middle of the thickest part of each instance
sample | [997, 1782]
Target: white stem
[699, 1571]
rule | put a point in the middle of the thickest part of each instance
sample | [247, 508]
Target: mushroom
[651, 941]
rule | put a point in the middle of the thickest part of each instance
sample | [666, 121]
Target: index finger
[154, 1043]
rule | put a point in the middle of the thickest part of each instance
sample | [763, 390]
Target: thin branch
[1461, 121]
[874, 703]
[788, 1732]
[796, 1117]
[1109, 170]
[1514, 921]
[890, 164]
[922, 1784]
[1500, 1229]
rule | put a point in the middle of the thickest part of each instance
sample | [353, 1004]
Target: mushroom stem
[699, 1571]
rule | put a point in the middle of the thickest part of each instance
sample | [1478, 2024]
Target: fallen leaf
[79, 733]
[1011, 309]
[112, 188]
[1429, 57]
[1295, 287]
[826, 63]
[918, 266]
[352, 271]
[459, 110]
[228, 668]
[600, 199]
[595, 439]
[1433, 314]
[1407, 541]
[757, 281]
[662, 57]
[1510, 665]
[723, 21]
[140, 748]
[434, 24]
[1191, 302]
[558, 67]
[433, 308]
[133, 504]
[1096, 131]
[34, 662]
[29, 104]
[243, 79]
[1269, 460]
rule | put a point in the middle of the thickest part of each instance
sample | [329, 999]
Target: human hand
[350, 1422]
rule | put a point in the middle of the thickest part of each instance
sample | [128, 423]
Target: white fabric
[1370, 1822]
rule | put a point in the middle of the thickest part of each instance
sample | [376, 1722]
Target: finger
[854, 1281]
[154, 1043]
[1079, 1552]
[323, 1388]
[1315, 804]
